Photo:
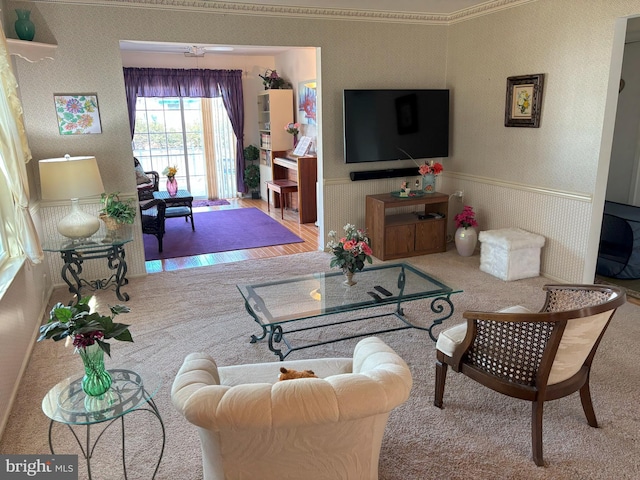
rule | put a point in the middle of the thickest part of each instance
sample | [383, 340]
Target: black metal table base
[276, 335]
[72, 270]
[88, 449]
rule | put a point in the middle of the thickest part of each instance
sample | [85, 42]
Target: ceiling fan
[199, 51]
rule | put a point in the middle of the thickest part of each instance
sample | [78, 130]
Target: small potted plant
[116, 212]
[252, 171]
[271, 80]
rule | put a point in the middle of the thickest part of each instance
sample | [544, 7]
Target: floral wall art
[307, 102]
[77, 114]
[524, 101]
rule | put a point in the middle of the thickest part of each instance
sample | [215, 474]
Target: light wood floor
[307, 232]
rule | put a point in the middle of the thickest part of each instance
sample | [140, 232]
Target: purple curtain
[195, 83]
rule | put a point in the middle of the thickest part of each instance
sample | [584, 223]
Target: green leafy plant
[271, 80]
[252, 171]
[251, 153]
[120, 211]
[84, 326]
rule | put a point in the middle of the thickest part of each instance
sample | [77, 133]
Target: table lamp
[72, 178]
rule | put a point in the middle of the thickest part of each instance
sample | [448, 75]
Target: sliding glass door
[176, 131]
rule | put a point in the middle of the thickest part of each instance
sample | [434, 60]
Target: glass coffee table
[308, 302]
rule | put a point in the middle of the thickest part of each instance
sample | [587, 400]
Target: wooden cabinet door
[430, 236]
[399, 240]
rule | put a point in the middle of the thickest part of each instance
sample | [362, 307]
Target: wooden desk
[303, 171]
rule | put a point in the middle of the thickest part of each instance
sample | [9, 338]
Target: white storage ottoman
[510, 253]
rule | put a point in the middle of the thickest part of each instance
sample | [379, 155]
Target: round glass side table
[130, 391]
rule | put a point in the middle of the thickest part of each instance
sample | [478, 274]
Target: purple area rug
[219, 231]
[209, 203]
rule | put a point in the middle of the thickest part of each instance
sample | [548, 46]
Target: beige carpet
[479, 435]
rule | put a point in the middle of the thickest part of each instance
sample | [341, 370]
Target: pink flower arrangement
[435, 168]
[351, 251]
[466, 218]
[292, 128]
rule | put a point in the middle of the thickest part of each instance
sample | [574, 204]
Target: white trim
[31, 51]
[485, 9]
[306, 12]
[578, 196]
[581, 197]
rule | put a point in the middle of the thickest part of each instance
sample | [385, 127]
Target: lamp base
[78, 224]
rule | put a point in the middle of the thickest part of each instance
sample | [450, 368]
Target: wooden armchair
[532, 356]
[152, 215]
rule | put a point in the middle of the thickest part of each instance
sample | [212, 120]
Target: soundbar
[388, 173]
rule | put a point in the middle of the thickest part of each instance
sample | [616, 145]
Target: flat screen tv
[382, 125]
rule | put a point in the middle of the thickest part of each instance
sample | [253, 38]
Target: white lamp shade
[70, 177]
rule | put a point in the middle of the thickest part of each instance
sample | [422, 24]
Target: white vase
[466, 239]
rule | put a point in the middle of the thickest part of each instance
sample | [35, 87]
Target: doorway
[617, 252]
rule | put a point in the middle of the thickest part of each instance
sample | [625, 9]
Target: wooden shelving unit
[275, 110]
[396, 234]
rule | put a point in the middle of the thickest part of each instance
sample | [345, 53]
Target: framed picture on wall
[77, 113]
[307, 102]
[524, 101]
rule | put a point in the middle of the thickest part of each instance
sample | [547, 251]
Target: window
[6, 205]
[170, 131]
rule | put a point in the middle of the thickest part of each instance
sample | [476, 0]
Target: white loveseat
[253, 426]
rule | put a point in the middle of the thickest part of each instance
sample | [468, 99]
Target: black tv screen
[381, 125]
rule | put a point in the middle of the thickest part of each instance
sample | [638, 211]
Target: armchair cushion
[141, 176]
[449, 339]
[147, 182]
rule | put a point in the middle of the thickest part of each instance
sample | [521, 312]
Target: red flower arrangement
[466, 218]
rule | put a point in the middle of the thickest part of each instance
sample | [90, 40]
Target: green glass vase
[97, 379]
[25, 29]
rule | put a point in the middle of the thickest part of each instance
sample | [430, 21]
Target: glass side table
[130, 391]
[104, 244]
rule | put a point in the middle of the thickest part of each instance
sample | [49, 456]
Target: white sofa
[253, 426]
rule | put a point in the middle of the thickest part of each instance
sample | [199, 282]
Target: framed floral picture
[77, 114]
[524, 101]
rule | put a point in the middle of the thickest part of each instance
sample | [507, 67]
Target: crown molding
[304, 12]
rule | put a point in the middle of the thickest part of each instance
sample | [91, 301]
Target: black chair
[145, 190]
[152, 214]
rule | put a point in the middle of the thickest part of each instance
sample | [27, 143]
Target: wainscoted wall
[561, 217]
